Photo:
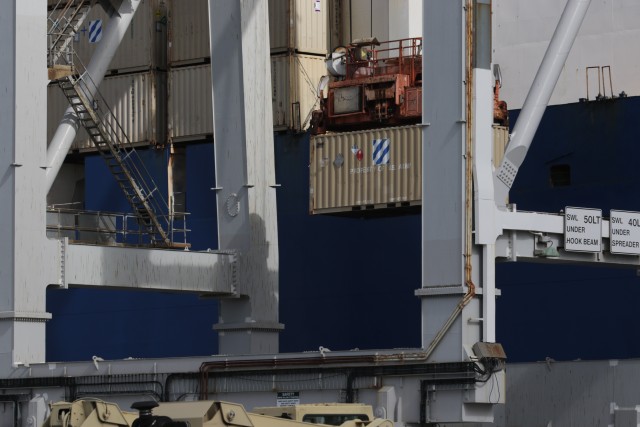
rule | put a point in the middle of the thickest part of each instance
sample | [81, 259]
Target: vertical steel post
[457, 118]
[245, 173]
[22, 212]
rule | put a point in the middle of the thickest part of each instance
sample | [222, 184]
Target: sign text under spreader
[624, 232]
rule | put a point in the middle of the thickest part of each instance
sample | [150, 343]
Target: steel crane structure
[467, 222]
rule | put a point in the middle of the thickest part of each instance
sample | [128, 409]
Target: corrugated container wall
[294, 83]
[188, 31]
[365, 18]
[500, 142]
[370, 169]
[350, 171]
[190, 102]
[143, 47]
[300, 26]
[134, 100]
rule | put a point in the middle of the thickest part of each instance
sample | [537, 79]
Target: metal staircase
[64, 22]
[121, 158]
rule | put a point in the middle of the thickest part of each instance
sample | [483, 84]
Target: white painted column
[483, 201]
[245, 173]
[26, 258]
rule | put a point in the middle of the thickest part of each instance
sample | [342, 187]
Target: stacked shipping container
[135, 86]
[373, 169]
[299, 35]
[166, 58]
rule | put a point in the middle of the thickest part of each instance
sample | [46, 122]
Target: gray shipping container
[300, 26]
[372, 169]
[294, 83]
[188, 31]
[190, 103]
[294, 25]
[294, 80]
[143, 47]
[138, 102]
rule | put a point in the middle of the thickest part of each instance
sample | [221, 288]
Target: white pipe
[66, 132]
[539, 95]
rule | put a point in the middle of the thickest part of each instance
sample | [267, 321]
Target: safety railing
[402, 56]
[109, 228]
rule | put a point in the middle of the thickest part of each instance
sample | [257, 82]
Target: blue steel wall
[345, 282]
[348, 282]
[569, 312]
[116, 324]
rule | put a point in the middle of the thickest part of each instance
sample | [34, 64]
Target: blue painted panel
[201, 200]
[345, 282]
[569, 312]
[349, 282]
[102, 191]
[118, 324]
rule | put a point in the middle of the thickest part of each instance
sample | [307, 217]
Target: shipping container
[294, 89]
[294, 80]
[138, 102]
[144, 45]
[300, 26]
[190, 103]
[188, 32]
[365, 18]
[373, 169]
[362, 170]
[500, 141]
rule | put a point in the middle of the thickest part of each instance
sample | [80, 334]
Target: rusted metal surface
[500, 111]
[379, 75]
[366, 170]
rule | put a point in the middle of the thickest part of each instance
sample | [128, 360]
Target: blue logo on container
[95, 31]
[381, 150]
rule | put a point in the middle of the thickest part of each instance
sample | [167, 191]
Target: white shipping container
[294, 81]
[134, 101]
[299, 25]
[190, 102]
[294, 86]
[144, 45]
[188, 31]
[369, 169]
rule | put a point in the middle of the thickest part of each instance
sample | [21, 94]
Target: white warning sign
[582, 230]
[624, 233]
[288, 398]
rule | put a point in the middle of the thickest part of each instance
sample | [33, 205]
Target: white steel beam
[538, 97]
[149, 269]
[525, 235]
[25, 253]
[458, 287]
